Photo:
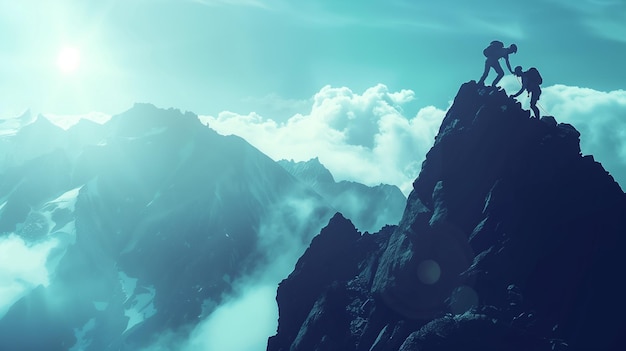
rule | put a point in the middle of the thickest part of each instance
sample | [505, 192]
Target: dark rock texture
[510, 240]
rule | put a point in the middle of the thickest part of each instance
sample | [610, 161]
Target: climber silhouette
[494, 52]
[531, 80]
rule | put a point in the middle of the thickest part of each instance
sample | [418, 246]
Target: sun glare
[68, 59]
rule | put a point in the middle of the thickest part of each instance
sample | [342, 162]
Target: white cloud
[367, 138]
[252, 308]
[254, 311]
[22, 268]
[283, 236]
[362, 137]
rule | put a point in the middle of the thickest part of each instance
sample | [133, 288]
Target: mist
[22, 268]
[248, 316]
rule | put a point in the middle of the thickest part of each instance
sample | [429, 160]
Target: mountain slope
[148, 219]
[354, 200]
[511, 239]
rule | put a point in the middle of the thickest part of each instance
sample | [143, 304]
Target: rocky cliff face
[510, 240]
[355, 201]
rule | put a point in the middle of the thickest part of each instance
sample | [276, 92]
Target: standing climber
[531, 81]
[494, 52]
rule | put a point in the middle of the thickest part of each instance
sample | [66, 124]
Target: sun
[68, 59]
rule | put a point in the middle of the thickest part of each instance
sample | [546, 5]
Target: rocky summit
[511, 239]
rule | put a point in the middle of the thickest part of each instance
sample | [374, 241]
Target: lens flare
[428, 272]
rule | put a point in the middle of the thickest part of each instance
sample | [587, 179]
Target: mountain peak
[40, 124]
[476, 106]
[145, 118]
[511, 239]
[311, 171]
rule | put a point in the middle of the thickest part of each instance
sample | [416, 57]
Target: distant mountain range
[511, 240]
[354, 200]
[149, 219]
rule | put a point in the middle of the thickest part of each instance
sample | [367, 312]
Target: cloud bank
[22, 268]
[251, 307]
[361, 137]
[368, 138]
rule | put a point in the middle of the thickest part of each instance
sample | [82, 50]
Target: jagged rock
[511, 239]
[31, 141]
[472, 331]
[311, 172]
[328, 290]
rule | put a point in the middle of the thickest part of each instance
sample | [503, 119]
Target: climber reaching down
[531, 81]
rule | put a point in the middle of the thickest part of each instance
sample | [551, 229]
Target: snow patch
[142, 308]
[67, 200]
[82, 343]
[140, 301]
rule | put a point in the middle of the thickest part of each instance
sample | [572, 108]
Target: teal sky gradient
[363, 85]
[207, 56]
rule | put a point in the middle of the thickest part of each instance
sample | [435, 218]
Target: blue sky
[372, 78]
[207, 56]
[363, 85]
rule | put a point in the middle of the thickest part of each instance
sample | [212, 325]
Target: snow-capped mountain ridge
[152, 195]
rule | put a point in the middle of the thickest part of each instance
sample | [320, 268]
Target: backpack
[533, 77]
[494, 49]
